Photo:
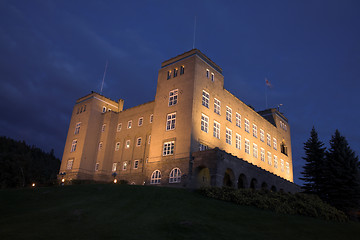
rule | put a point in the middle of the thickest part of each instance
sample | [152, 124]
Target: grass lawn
[144, 212]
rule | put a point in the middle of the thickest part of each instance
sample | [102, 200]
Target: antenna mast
[102, 84]
[194, 33]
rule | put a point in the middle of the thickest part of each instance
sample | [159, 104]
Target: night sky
[54, 52]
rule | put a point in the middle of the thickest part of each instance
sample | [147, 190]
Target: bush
[299, 203]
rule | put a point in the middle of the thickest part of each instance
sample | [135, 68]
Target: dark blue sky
[53, 52]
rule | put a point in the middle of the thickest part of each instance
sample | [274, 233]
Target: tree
[342, 176]
[313, 169]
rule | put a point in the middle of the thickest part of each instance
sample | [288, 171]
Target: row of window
[174, 176]
[124, 166]
[81, 109]
[217, 110]
[283, 126]
[175, 72]
[208, 75]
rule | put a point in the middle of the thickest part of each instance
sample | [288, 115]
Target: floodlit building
[194, 133]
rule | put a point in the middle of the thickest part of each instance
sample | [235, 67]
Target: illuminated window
[238, 120]
[155, 177]
[149, 139]
[216, 129]
[119, 127]
[217, 106]
[212, 77]
[124, 166]
[275, 162]
[228, 136]
[129, 124]
[238, 141]
[175, 176]
[168, 75]
[275, 143]
[247, 126]
[255, 150]
[103, 127]
[136, 164]
[182, 70]
[73, 145]
[170, 121]
[268, 138]
[168, 148]
[140, 122]
[207, 73]
[77, 128]
[282, 165]
[69, 164]
[247, 146]
[203, 147]
[151, 118]
[287, 168]
[104, 109]
[127, 144]
[100, 145]
[254, 130]
[205, 99]
[262, 154]
[138, 142]
[228, 113]
[114, 167]
[204, 123]
[173, 97]
[97, 166]
[269, 158]
[261, 135]
[117, 146]
[176, 72]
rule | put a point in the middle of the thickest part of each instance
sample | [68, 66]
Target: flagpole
[266, 100]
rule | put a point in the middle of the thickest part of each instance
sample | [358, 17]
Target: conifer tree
[313, 169]
[342, 176]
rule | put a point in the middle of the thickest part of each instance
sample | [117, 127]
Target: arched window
[175, 176]
[155, 177]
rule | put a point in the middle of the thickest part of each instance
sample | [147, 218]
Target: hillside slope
[143, 212]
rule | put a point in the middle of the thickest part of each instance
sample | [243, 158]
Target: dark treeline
[333, 174]
[21, 164]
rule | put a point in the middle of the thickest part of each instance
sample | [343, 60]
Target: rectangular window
[217, 106]
[216, 129]
[124, 166]
[228, 113]
[182, 70]
[275, 143]
[149, 139]
[168, 75]
[282, 165]
[69, 164]
[247, 146]
[114, 167]
[255, 150]
[204, 123]
[97, 166]
[117, 146]
[261, 135]
[173, 97]
[138, 142]
[287, 168]
[212, 77]
[127, 144]
[100, 145]
[238, 141]
[268, 138]
[203, 147]
[262, 155]
[247, 126]
[176, 72]
[103, 127]
[238, 120]
[151, 118]
[275, 162]
[77, 128]
[228, 136]
[119, 126]
[73, 145]
[254, 130]
[269, 158]
[140, 122]
[170, 121]
[207, 73]
[168, 148]
[136, 164]
[129, 124]
[205, 99]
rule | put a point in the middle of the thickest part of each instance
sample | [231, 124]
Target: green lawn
[143, 212]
